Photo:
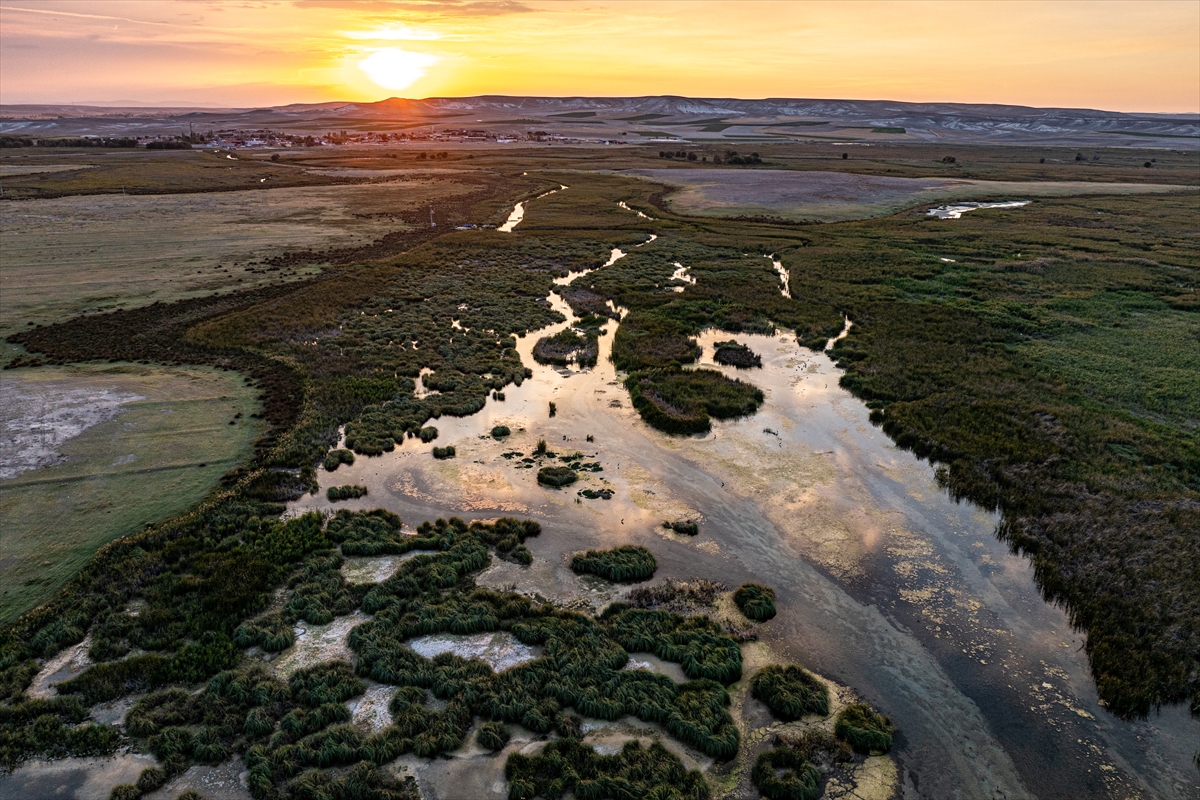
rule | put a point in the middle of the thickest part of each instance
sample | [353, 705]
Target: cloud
[442, 8]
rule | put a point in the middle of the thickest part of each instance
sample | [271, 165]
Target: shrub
[493, 736]
[151, 778]
[784, 774]
[428, 434]
[567, 765]
[756, 601]
[443, 452]
[790, 692]
[125, 791]
[864, 729]
[500, 431]
[736, 355]
[628, 564]
[336, 458]
[683, 401]
[336, 493]
[556, 476]
[684, 526]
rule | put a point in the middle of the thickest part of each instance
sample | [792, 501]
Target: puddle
[785, 277]
[75, 778]
[635, 211]
[956, 210]
[500, 650]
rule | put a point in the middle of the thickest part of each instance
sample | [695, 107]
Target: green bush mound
[566, 346]
[493, 736]
[635, 773]
[371, 533]
[628, 564]
[441, 453]
[736, 355]
[685, 526]
[864, 729]
[784, 774]
[500, 431]
[53, 728]
[684, 401]
[427, 434]
[556, 476]
[756, 601]
[336, 458]
[790, 692]
[348, 492]
[698, 644]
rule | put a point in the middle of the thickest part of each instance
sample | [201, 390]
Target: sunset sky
[1124, 56]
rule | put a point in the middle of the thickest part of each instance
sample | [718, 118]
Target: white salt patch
[37, 418]
[500, 650]
[956, 210]
[316, 644]
[370, 709]
[376, 569]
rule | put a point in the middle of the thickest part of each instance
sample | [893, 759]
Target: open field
[73, 255]
[839, 197]
[165, 445]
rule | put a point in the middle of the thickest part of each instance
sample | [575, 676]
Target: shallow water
[883, 582]
[956, 210]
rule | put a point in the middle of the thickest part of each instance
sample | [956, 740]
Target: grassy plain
[160, 455]
[839, 197]
[85, 254]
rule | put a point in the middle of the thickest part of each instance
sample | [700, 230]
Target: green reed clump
[556, 476]
[698, 644]
[51, 728]
[736, 355]
[336, 458]
[272, 633]
[444, 452]
[628, 564]
[784, 774]
[427, 434]
[790, 692]
[568, 765]
[493, 736]
[500, 431]
[756, 601]
[864, 729]
[685, 526]
[349, 492]
[684, 401]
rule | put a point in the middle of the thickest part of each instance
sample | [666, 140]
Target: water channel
[885, 584]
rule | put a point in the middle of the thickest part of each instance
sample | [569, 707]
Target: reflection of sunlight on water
[956, 210]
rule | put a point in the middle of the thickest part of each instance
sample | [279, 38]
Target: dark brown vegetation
[629, 564]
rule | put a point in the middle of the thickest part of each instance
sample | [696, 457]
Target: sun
[393, 68]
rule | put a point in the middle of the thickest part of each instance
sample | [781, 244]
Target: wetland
[782, 412]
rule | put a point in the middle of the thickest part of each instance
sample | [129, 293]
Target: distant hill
[647, 117]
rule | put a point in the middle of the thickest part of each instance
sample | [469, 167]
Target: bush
[336, 493]
[567, 765]
[336, 458]
[684, 526]
[428, 434]
[493, 736]
[756, 601]
[628, 564]
[736, 355]
[784, 774]
[556, 476]
[500, 431]
[443, 452]
[125, 791]
[864, 729]
[790, 692]
[682, 401]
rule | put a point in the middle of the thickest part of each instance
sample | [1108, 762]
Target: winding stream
[884, 583]
[956, 210]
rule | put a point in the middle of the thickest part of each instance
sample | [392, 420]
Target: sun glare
[393, 68]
